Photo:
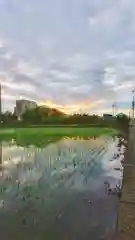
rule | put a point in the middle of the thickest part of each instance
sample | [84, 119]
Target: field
[56, 131]
[41, 137]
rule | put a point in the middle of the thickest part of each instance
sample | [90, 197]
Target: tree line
[45, 116]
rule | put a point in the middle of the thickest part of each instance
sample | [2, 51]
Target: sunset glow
[72, 108]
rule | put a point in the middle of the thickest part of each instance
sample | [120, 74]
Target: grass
[56, 131]
[43, 136]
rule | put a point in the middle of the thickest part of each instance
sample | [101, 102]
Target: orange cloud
[71, 108]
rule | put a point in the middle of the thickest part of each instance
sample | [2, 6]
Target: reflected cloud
[63, 172]
[69, 163]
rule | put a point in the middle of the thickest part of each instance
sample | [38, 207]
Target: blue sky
[78, 54]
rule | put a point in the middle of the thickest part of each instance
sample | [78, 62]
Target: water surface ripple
[59, 192]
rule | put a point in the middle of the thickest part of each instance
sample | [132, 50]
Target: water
[59, 191]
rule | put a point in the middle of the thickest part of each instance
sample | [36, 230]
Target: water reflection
[53, 188]
[37, 141]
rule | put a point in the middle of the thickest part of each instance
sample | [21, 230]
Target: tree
[122, 122]
[8, 118]
[32, 116]
[122, 118]
[42, 115]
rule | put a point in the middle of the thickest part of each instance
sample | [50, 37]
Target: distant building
[23, 105]
[107, 116]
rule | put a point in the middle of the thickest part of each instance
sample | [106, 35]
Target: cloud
[68, 52]
[28, 68]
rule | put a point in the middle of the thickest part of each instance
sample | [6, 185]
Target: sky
[77, 55]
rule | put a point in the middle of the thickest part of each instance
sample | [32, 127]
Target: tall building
[23, 105]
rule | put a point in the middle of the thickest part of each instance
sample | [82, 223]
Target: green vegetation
[43, 121]
[43, 136]
[55, 131]
[49, 116]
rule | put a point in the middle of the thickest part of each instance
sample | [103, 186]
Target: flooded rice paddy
[60, 191]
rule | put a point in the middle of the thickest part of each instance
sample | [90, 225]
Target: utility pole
[133, 104]
[129, 114]
[114, 109]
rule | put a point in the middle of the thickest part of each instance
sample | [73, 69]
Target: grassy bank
[56, 131]
[43, 136]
